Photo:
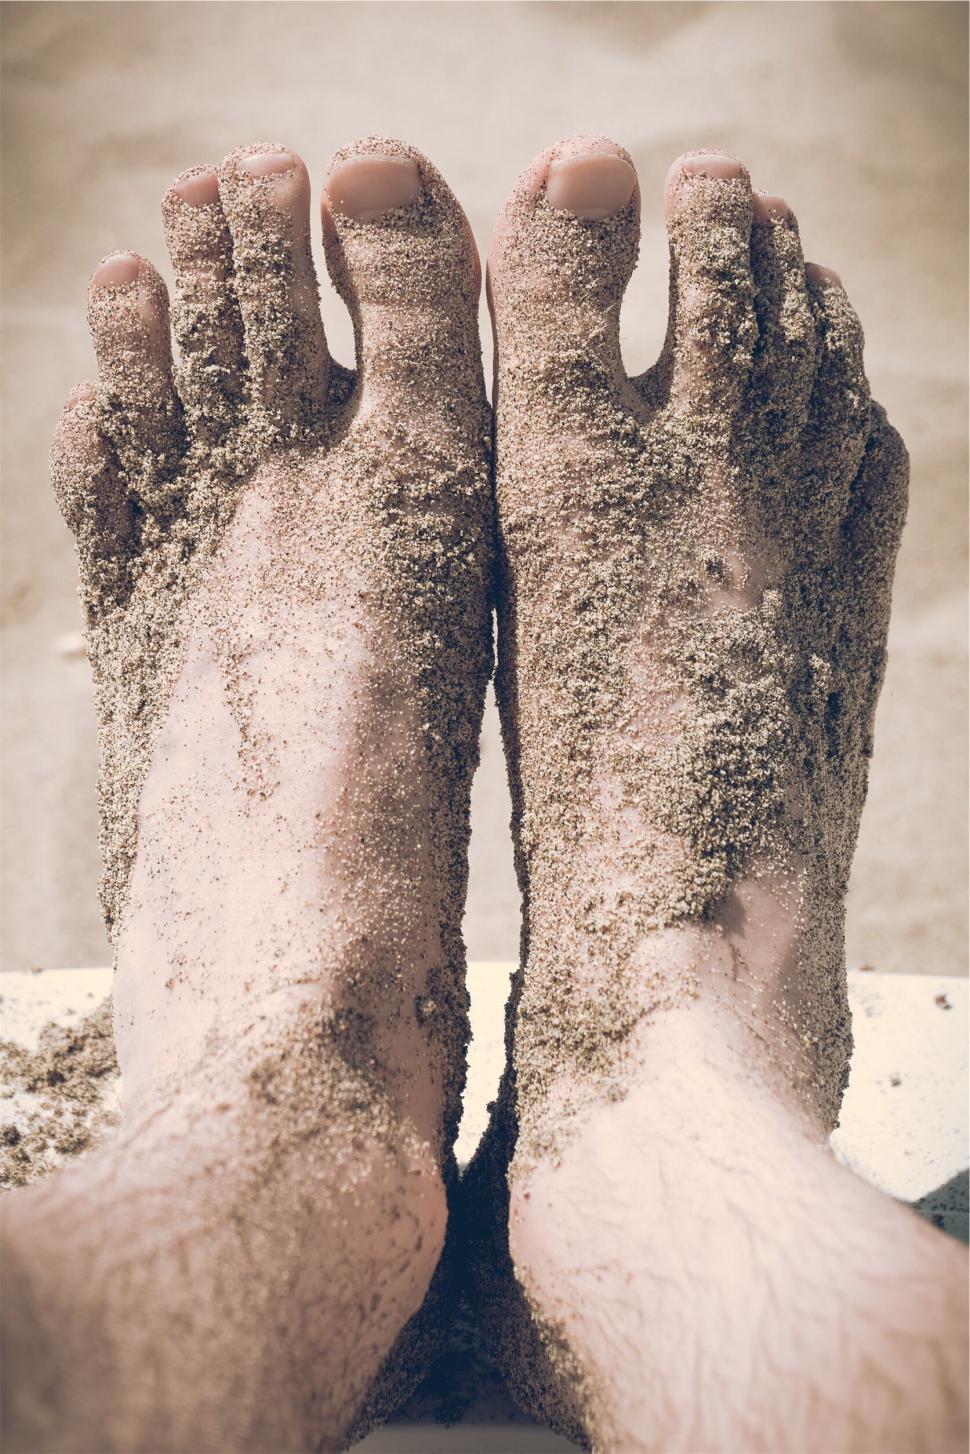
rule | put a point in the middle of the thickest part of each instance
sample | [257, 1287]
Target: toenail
[709, 164]
[817, 274]
[767, 207]
[367, 187]
[266, 163]
[591, 185]
[117, 271]
[199, 190]
[80, 394]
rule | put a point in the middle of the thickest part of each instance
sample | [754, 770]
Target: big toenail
[266, 163]
[117, 271]
[591, 185]
[198, 191]
[817, 274]
[80, 394]
[709, 164]
[367, 187]
[767, 207]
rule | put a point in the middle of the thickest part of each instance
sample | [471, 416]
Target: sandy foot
[284, 569]
[695, 576]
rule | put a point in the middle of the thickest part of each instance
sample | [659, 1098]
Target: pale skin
[720, 1281]
[232, 1271]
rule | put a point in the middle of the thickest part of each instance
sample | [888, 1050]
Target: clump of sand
[58, 1100]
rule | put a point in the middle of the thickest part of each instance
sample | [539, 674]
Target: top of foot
[285, 566]
[695, 575]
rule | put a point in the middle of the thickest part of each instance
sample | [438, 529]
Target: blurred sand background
[856, 113]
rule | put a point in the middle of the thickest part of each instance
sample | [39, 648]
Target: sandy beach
[856, 113]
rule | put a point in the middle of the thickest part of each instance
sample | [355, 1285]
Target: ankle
[297, 1045]
[749, 985]
[707, 1066]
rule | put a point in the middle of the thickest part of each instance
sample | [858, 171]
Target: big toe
[561, 255]
[401, 254]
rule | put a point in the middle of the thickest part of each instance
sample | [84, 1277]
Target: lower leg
[723, 1282]
[231, 1272]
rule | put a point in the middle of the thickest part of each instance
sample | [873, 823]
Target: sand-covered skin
[695, 574]
[392, 499]
[285, 570]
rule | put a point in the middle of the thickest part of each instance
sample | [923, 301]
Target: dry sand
[855, 112]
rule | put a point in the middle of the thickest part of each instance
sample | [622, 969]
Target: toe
[712, 330]
[206, 318]
[784, 358]
[92, 498]
[815, 273]
[871, 532]
[561, 255]
[140, 411]
[401, 255]
[877, 504]
[839, 420]
[592, 182]
[265, 195]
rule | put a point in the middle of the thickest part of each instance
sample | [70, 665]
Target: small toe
[81, 394]
[822, 277]
[840, 415]
[562, 253]
[140, 410]
[873, 524]
[877, 503]
[766, 207]
[401, 255]
[712, 330]
[206, 318]
[784, 358]
[91, 495]
[265, 196]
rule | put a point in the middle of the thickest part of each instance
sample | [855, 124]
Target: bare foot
[696, 569]
[284, 567]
